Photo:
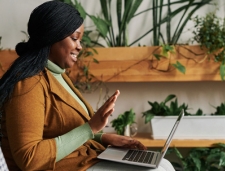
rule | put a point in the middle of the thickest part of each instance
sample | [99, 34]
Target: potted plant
[198, 125]
[130, 63]
[123, 61]
[201, 159]
[123, 123]
[210, 34]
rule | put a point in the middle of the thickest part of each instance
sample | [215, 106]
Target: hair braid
[49, 23]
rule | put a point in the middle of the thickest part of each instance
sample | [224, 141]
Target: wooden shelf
[145, 139]
[138, 64]
[6, 59]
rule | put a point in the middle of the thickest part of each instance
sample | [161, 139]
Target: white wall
[136, 95]
[14, 15]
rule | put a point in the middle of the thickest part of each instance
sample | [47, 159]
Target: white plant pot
[127, 130]
[130, 130]
[191, 127]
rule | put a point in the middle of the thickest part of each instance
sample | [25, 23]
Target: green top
[70, 141]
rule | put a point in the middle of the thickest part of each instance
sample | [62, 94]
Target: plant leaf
[80, 8]
[222, 71]
[158, 56]
[169, 97]
[180, 67]
[102, 25]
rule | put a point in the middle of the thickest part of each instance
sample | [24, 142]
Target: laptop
[137, 157]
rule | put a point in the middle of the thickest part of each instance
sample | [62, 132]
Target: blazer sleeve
[25, 123]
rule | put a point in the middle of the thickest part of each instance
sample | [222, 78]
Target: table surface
[145, 139]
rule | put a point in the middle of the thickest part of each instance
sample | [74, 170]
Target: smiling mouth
[74, 57]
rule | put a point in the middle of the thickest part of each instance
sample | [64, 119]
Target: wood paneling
[145, 139]
[138, 64]
[6, 59]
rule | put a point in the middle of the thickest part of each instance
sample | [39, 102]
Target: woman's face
[64, 53]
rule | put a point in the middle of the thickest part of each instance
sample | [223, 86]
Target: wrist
[104, 139]
[107, 139]
[92, 127]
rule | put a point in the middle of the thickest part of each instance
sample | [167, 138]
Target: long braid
[50, 22]
[23, 67]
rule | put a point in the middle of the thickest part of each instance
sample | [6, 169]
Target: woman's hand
[122, 141]
[100, 118]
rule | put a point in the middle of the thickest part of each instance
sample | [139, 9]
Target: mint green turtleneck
[57, 73]
[70, 141]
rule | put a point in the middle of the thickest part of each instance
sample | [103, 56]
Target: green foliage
[199, 112]
[220, 110]
[105, 24]
[166, 49]
[127, 118]
[202, 159]
[210, 33]
[179, 67]
[171, 49]
[126, 10]
[162, 109]
[182, 12]
[174, 109]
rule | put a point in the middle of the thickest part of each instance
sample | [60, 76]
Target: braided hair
[49, 23]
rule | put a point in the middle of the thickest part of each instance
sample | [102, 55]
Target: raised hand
[100, 118]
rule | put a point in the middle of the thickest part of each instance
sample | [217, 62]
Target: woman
[46, 123]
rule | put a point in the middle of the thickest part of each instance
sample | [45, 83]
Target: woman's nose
[79, 46]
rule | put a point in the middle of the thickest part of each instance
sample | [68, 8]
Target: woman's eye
[74, 39]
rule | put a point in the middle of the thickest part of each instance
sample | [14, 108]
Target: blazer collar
[61, 92]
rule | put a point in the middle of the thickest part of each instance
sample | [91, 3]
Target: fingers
[107, 114]
[108, 106]
[117, 92]
[134, 144]
[100, 119]
[122, 141]
[114, 96]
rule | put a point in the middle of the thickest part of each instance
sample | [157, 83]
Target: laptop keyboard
[139, 156]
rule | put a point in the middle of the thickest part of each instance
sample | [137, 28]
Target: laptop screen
[169, 139]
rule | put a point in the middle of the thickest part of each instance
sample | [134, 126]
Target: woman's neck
[54, 68]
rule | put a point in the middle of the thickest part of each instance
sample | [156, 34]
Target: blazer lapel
[77, 92]
[65, 96]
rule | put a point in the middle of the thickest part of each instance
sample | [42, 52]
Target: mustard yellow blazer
[40, 110]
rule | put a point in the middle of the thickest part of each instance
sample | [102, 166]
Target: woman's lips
[74, 57]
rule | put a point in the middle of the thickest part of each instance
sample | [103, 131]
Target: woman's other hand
[100, 118]
[122, 141]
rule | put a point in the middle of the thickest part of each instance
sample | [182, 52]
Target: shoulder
[38, 81]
